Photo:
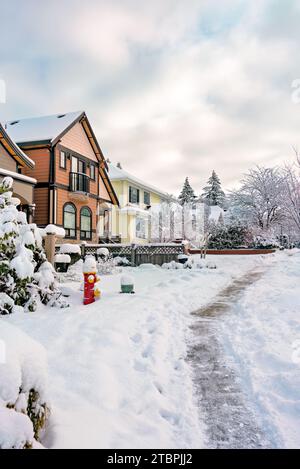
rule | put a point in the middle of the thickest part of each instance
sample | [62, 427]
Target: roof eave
[15, 151]
[144, 186]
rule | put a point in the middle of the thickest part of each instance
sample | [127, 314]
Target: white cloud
[172, 88]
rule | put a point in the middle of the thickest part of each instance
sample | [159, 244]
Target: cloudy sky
[172, 88]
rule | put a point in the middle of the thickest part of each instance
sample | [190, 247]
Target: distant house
[73, 189]
[131, 224]
[216, 214]
[13, 163]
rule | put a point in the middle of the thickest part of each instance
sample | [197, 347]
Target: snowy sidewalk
[247, 359]
[229, 421]
[118, 371]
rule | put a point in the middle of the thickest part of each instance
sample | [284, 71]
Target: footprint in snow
[152, 329]
[171, 417]
[136, 338]
[139, 366]
[158, 387]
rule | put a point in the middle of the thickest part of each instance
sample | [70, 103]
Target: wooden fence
[137, 254]
[232, 252]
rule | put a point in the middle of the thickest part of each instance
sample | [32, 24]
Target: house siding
[6, 160]
[41, 199]
[41, 157]
[124, 224]
[76, 139]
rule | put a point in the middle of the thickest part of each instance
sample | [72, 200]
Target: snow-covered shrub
[102, 253]
[106, 263]
[73, 274]
[228, 236]
[122, 261]
[265, 242]
[25, 275]
[24, 406]
[73, 250]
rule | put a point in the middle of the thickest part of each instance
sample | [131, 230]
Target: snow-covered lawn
[117, 371]
[261, 336]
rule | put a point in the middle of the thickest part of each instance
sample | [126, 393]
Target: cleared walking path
[228, 419]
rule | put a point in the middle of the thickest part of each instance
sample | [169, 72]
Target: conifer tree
[213, 193]
[26, 277]
[187, 194]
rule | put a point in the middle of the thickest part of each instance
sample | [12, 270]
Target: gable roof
[41, 129]
[14, 150]
[117, 174]
[50, 129]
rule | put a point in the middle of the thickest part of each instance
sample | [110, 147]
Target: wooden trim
[237, 252]
[56, 139]
[13, 149]
[77, 155]
[33, 145]
[15, 177]
[109, 186]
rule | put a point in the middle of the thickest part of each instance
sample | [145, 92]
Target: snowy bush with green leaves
[227, 236]
[26, 277]
[24, 405]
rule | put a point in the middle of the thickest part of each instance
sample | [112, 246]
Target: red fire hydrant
[91, 289]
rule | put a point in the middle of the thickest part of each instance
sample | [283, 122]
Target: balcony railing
[79, 182]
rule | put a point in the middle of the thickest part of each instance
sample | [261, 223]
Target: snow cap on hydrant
[91, 279]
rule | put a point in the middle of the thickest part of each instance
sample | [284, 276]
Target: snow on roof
[17, 150]
[116, 174]
[40, 128]
[19, 177]
[215, 213]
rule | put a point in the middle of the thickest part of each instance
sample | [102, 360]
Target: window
[146, 198]
[92, 172]
[81, 166]
[74, 164]
[63, 160]
[140, 228]
[69, 218]
[78, 166]
[85, 223]
[134, 195]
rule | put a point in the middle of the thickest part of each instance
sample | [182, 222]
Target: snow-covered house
[14, 162]
[73, 189]
[131, 223]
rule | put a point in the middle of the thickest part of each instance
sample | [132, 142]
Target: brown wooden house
[13, 163]
[73, 189]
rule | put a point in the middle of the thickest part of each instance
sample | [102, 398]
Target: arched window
[69, 220]
[85, 223]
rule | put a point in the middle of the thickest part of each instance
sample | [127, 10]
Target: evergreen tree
[26, 277]
[187, 194]
[119, 165]
[213, 193]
